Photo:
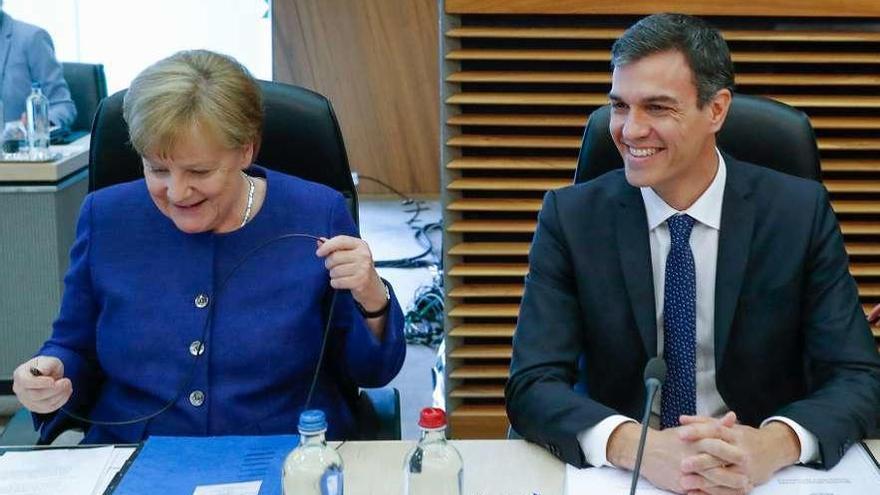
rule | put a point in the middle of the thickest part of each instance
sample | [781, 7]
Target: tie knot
[680, 227]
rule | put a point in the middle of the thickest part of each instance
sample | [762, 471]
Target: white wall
[128, 35]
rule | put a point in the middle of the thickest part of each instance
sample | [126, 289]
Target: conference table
[491, 467]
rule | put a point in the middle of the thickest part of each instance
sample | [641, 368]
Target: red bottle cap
[432, 418]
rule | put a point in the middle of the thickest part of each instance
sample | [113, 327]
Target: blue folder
[177, 465]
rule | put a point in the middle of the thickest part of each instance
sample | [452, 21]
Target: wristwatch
[378, 312]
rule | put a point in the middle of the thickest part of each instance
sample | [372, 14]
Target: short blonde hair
[188, 90]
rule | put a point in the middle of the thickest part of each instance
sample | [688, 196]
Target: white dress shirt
[706, 210]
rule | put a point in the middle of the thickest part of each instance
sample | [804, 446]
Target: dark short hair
[701, 44]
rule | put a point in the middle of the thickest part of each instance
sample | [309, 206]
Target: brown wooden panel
[495, 205]
[482, 351]
[865, 269]
[507, 184]
[849, 227]
[490, 248]
[610, 34]
[829, 101]
[568, 55]
[487, 141]
[478, 391]
[478, 421]
[835, 122]
[853, 186]
[485, 311]
[487, 290]
[518, 120]
[805, 8]
[509, 226]
[748, 79]
[489, 270]
[511, 163]
[844, 143]
[482, 330]
[863, 249]
[376, 62]
[863, 207]
[850, 165]
[518, 98]
[480, 372]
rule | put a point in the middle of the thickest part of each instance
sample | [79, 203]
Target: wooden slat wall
[517, 90]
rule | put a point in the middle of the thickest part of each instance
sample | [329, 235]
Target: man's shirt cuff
[594, 441]
[809, 442]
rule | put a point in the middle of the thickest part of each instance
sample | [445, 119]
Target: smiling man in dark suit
[734, 273]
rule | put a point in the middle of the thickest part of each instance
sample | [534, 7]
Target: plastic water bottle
[433, 467]
[313, 468]
[37, 110]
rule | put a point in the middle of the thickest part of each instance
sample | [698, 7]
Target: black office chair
[87, 88]
[301, 137]
[757, 130]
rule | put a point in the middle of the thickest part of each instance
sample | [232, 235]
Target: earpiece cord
[204, 340]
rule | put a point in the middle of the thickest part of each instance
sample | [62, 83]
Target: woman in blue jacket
[187, 292]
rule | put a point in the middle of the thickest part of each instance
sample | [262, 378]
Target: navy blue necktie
[679, 325]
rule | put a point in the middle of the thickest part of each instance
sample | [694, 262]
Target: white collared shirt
[706, 210]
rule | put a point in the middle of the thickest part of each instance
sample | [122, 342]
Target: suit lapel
[734, 242]
[635, 261]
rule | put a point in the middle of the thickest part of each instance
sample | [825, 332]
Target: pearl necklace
[250, 199]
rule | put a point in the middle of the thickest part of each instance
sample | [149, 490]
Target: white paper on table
[52, 471]
[855, 474]
[114, 465]
[245, 488]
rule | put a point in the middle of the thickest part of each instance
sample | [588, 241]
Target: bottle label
[331, 481]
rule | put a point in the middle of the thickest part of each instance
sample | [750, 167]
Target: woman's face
[200, 186]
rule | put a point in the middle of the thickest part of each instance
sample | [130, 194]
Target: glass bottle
[313, 468]
[37, 111]
[434, 466]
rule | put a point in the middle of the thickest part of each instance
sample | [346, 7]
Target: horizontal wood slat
[485, 311]
[490, 248]
[579, 121]
[574, 142]
[505, 184]
[511, 163]
[482, 351]
[482, 330]
[487, 290]
[478, 391]
[740, 57]
[804, 8]
[489, 226]
[480, 372]
[849, 227]
[495, 205]
[597, 99]
[569, 77]
[847, 165]
[489, 270]
[610, 34]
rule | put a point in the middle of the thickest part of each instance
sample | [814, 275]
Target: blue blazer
[27, 56]
[140, 296]
[790, 336]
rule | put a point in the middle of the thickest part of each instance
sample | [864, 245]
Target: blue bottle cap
[312, 421]
[35, 85]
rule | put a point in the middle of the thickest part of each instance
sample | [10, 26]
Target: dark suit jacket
[790, 335]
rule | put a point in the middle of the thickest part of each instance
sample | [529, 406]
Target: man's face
[666, 141]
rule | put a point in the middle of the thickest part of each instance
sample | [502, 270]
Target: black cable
[204, 340]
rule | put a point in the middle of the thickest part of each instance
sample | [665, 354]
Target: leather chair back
[87, 88]
[301, 137]
[757, 130]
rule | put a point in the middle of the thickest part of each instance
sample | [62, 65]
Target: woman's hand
[350, 263]
[45, 393]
